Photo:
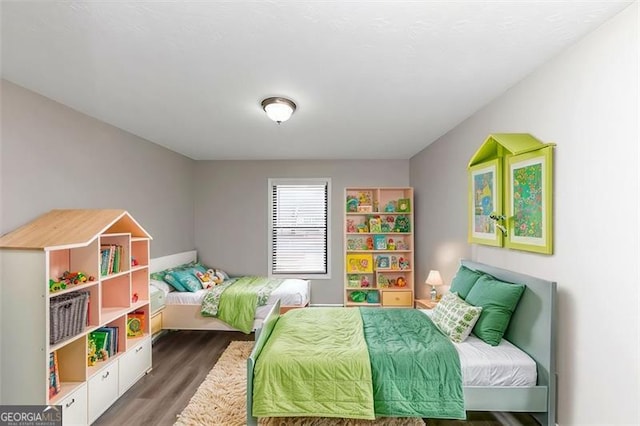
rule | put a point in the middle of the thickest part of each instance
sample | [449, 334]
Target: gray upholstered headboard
[533, 324]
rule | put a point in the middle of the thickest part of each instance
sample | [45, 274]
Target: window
[298, 227]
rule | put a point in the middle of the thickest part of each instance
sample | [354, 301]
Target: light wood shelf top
[62, 229]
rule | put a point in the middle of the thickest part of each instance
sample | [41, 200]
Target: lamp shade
[278, 109]
[434, 278]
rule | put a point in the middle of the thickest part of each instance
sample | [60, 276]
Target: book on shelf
[106, 341]
[54, 375]
[110, 259]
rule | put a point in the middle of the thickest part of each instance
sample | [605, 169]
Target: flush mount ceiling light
[278, 109]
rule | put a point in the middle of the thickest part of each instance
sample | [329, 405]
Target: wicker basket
[68, 315]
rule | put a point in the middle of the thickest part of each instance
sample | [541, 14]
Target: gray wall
[232, 211]
[586, 101]
[55, 157]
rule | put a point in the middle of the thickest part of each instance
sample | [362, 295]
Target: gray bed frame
[532, 329]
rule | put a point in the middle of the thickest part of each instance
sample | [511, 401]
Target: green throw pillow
[463, 281]
[165, 276]
[455, 317]
[498, 300]
[185, 278]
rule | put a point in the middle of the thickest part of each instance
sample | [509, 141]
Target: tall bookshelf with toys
[378, 247]
[75, 309]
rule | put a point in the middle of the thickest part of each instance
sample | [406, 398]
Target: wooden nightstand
[425, 303]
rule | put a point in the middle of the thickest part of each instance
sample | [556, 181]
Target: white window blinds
[299, 228]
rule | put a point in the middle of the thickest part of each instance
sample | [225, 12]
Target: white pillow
[161, 285]
[455, 317]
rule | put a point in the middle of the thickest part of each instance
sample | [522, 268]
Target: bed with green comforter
[357, 363]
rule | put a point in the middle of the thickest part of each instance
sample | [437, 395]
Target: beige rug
[221, 398]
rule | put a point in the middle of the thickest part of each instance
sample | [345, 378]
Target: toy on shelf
[390, 207]
[391, 245]
[375, 224]
[379, 242]
[404, 205]
[134, 298]
[362, 228]
[353, 281]
[56, 286]
[352, 203]
[402, 224]
[134, 262]
[403, 263]
[365, 198]
[401, 245]
[364, 281]
[394, 262]
[382, 262]
[369, 243]
[382, 281]
[401, 282]
[351, 227]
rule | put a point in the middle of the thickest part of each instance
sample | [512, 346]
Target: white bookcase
[42, 250]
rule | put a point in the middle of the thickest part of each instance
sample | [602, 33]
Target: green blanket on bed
[315, 363]
[235, 301]
[416, 369]
[357, 363]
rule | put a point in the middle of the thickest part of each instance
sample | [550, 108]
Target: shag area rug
[221, 399]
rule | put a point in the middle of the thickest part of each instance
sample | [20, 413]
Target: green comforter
[235, 302]
[315, 363]
[416, 369]
[357, 363]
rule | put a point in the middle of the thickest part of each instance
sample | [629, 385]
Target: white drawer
[74, 407]
[134, 364]
[103, 390]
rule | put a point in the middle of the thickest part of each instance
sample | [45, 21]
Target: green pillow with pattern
[455, 317]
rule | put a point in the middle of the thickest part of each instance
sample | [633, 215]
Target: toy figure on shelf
[369, 243]
[364, 281]
[401, 245]
[134, 262]
[401, 282]
[351, 227]
[394, 262]
[351, 244]
[363, 228]
[391, 245]
[390, 207]
[56, 286]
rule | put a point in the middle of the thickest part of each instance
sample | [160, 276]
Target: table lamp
[434, 279]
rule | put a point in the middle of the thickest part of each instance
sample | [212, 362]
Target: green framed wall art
[485, 198]
[529, 204]
[511, 193]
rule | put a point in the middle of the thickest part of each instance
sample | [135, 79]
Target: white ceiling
[372, 80]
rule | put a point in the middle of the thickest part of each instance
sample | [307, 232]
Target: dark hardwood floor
[182, 360]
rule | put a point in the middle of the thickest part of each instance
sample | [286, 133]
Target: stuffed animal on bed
[211, 278]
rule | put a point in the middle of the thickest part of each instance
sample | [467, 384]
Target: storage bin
[68, 315]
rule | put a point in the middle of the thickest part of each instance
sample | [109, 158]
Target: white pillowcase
[161, 285]
[455, 317]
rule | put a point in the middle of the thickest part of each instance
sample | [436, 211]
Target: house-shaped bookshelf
[104, 256]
